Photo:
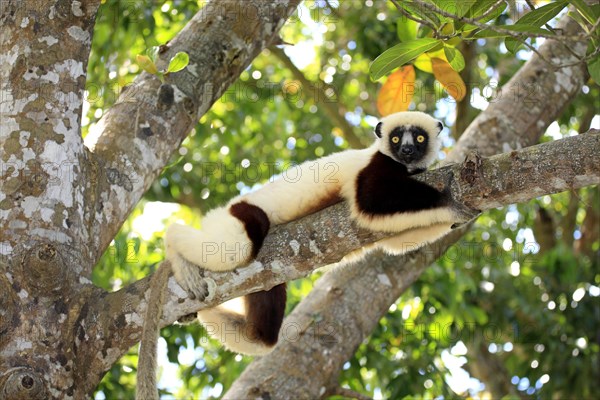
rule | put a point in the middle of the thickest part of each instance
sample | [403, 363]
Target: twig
[407, 15]
[594, 27]
[530, 4]
[478, 24]
[490, 10]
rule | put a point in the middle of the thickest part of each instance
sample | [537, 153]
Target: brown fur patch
[329, 200]
[264, 314]
[255, 222]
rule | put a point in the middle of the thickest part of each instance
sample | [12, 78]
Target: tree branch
[295, 249]
[491, 131]
[135, 138]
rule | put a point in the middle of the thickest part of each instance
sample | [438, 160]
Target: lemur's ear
[440, 127]
[378, 129]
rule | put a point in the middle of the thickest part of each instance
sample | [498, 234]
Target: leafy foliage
[449, 23]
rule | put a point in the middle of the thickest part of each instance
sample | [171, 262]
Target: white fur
[402, 221]
[407, 139]
[222, 243]
[226, 323]
[296, 194]
[413, 239]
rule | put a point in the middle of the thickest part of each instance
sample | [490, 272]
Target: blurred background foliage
[512, 310]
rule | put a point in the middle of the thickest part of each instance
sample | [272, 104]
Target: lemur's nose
[408, 150]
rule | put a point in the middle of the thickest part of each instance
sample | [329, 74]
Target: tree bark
[45, 207]
[501, 180]
[44, 50]
[295, 249]
[62, 201]
[518, 116]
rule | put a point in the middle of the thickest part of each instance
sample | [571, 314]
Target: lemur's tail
[252, 329]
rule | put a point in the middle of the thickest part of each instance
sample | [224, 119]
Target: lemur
[382, 195]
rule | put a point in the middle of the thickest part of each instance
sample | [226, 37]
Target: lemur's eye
[395, 139]
[420, 138]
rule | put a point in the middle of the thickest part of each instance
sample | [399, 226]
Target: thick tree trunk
[45, 244]
[62, 201]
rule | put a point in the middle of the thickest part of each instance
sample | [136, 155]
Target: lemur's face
[408, 144]
[410, 138]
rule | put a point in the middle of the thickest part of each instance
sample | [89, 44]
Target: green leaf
[542, 15]
[406, 29]
[178, 62]
[147, 64]
[527, 30]
[455, 58]
[399, 55]
[152, 53]
[585, 10]
[594, 68]
[537, 17]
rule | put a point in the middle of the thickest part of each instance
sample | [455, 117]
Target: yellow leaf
[449, 78]
[397, 91]
[438, 54]
[423, 62]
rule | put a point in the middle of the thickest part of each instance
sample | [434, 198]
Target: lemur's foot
[190, 277]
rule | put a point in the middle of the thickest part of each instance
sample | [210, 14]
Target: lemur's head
[410, 138]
